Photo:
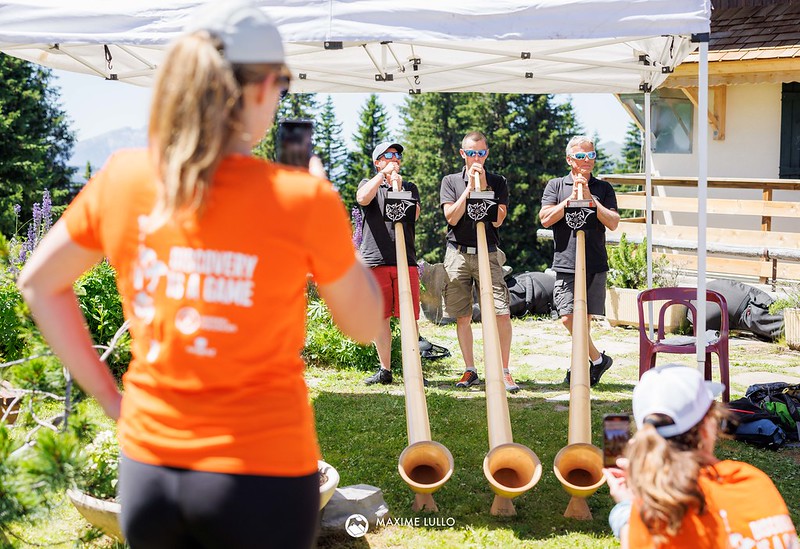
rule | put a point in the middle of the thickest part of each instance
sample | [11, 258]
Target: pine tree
[632, 150]
[603, 163]
[35, 141]
[329, 143]
[294, 105]
[371, 130]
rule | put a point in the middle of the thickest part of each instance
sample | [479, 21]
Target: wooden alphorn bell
[424, 465]
[579, 465]
[511, 469]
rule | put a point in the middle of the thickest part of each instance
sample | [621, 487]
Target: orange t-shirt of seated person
[217, 307]
[744, 510]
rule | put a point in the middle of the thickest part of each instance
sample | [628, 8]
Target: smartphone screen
[616, 432]
[295, 142]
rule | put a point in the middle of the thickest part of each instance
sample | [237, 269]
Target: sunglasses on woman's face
[390, 155]
[479, 153]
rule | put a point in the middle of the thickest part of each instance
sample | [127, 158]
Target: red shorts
[386, 275]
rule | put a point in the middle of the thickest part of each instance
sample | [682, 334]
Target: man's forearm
[453, 211]
[368, 190]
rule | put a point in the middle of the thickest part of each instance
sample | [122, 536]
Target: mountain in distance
[97, 149]
[612, 149]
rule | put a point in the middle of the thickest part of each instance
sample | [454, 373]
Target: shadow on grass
[362, 435]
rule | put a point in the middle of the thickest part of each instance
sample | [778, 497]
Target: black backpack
[781, 399]
[751, 424]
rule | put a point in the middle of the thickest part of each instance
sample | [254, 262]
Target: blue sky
[97, 106]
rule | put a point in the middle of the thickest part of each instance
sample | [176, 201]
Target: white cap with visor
[247, 33]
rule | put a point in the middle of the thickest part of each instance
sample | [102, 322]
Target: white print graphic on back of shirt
[191, 274]
[147, 273]
[211, 276]
[200, 348]
[775, 532]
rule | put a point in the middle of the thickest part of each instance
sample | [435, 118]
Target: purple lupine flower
[30, 242]
[17, 209]
[358, 219]
[37, 223]
[47, 212]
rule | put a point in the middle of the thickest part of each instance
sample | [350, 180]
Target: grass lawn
[362, 431]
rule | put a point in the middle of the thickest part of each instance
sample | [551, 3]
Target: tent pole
[702, 197]
[648, 175]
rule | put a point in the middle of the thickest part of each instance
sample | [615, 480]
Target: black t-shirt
[558, 190]
[464, 232]
[378, 243]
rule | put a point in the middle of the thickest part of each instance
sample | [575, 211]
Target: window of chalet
[790, 131]
[671, 117]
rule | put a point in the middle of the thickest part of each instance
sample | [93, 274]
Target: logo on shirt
[200, 348]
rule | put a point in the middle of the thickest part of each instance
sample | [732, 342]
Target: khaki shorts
[462, 269]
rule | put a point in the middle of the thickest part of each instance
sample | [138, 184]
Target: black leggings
[182, 509]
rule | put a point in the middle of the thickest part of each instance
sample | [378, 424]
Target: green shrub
[788, 298]
[627, 266]
[326, 345]
[16, 326]
[101, 304]
[99, 477]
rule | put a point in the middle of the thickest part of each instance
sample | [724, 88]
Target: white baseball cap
[677, 391]
[381, 148]
[247, 33]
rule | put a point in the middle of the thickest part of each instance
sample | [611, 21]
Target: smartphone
[295, 143]
[616, 433]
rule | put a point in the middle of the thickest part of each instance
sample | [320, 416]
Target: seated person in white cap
[672, 492]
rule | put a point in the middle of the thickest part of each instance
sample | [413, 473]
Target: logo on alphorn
[478, 211]
[576, 220]
[397, 211]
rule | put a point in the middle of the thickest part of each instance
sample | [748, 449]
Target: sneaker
[511, 387]
[384, 377]
[469, 378]
[425, 382]
[567, 378]
[597, 370]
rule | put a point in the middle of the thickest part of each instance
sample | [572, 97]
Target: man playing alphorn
[580, 158]
[461, 256]
[378, 247]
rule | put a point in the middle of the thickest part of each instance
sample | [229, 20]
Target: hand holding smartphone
[295, 144]
[616, 433]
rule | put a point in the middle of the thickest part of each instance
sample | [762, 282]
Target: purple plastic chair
[682, 296]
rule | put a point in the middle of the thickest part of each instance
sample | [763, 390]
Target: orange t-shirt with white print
[218, 310]
[743, 510]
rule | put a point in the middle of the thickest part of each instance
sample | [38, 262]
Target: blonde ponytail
[195, 115]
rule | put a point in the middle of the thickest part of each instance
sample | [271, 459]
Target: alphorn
[579, 465]
[511, 469]
[424, 465]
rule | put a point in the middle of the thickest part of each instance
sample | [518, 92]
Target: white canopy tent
[417, 46]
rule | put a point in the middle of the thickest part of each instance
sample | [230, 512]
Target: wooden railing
[765, 254]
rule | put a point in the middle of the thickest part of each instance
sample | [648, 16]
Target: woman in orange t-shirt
[672, 492]
[213, 249]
